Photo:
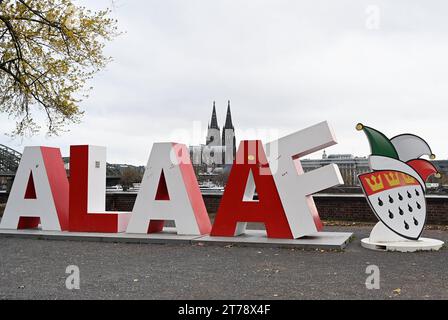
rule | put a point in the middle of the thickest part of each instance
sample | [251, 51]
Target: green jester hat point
[380, 145]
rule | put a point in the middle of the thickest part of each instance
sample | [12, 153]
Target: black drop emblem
[417, 193]
[391, 200]
[391, 215]
[409, 195]
[419, 206]
[410, 208]
[400, 211]
[406, 226]
[415, 222]
[380, 202]
[400, 197]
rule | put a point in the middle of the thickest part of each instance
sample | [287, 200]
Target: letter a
[169, 191]
[39, 192]
[88, 193]
[250, 171]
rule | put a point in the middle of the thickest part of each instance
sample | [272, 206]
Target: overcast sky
[285, 65]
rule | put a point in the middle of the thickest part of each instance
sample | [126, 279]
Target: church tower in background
[213, 133]
[228, 139]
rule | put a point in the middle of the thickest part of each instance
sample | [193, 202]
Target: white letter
[296, 187]
[169, 174]
[373, 18]
[72, 281]
[373, 280]
[40, 191]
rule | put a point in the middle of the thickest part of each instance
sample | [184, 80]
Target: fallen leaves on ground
[397, 291]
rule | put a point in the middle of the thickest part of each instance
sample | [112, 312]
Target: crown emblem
[375, 183]
[392, 179]
[408, 179]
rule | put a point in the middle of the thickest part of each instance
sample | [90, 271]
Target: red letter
[250, 170]
[88, 193]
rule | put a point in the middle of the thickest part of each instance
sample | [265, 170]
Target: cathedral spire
[228, 124]
[214, 121]
[228, 139]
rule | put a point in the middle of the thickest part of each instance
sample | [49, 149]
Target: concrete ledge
[252, 238]
[167, 237]
[257, 238]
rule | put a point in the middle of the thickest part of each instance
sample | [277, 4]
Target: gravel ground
[35, 269]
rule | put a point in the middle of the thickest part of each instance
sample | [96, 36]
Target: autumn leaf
[397, 291]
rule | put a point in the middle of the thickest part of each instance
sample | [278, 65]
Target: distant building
[349, 166]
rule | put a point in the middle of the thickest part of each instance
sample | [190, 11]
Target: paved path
[35, 269]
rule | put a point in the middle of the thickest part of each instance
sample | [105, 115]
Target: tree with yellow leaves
[48, 50]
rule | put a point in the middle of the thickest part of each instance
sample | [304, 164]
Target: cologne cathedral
[216, 156]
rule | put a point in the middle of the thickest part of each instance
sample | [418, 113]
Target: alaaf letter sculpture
[395, 190]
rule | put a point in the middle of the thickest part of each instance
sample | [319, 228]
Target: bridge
[9, 161]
